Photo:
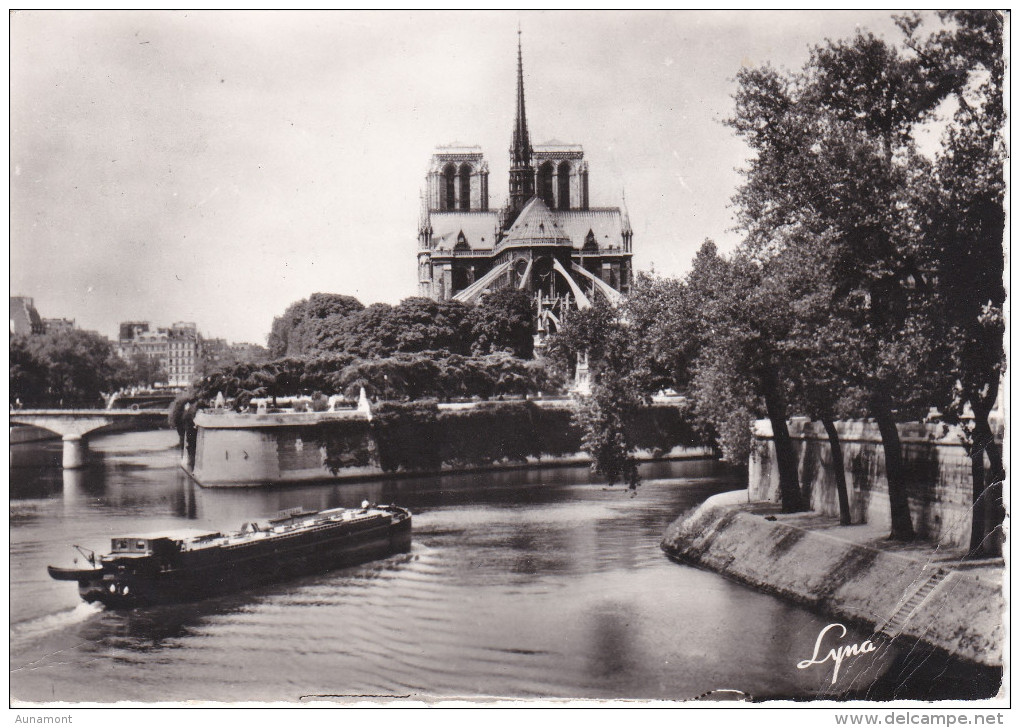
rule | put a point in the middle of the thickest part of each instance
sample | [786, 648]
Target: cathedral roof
[536, 225]
[555, 145]
[479, 228]
[605, 223]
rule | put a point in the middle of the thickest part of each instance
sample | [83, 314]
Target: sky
[217, 166]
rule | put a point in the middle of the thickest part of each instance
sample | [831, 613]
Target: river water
[528, 584]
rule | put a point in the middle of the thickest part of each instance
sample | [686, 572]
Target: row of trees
[325, 324]
[869, 282]
[426, 375]
[72, 367]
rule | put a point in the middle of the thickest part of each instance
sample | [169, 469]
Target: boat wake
[36, 627]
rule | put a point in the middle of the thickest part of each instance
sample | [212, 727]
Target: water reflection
[609, 647]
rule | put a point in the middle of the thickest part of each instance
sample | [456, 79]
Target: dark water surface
[532, 583]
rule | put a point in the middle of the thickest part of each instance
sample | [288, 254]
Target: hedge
[418, 436]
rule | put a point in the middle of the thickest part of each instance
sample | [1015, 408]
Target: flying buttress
[582, 300]
[611, 294]
[475, 289]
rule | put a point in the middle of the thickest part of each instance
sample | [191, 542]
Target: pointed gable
[536, 225]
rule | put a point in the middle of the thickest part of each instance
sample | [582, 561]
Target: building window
[449, 201]
[465, 187]
[545, 184]
[563, 183]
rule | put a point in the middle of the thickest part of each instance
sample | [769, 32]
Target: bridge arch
[74, 425]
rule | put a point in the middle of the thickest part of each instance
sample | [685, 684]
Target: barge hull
[206, 573]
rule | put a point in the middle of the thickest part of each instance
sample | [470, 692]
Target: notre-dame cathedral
[547, 240]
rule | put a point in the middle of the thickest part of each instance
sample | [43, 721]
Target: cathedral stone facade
[547, 240]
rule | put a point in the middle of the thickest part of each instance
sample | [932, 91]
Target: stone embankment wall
[263, 449]
[938, 472]
[961, 616]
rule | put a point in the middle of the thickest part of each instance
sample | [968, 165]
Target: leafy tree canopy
[66, 367]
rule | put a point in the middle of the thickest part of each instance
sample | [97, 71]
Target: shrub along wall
[403, 437]
[420, 436]
[512, 432]
[406, 436]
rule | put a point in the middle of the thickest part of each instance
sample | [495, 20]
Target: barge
[186, 565]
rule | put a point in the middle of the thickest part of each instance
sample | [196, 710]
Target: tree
[367, 333]
[741, 361]
[321, 315]
[504, 321]
[713, 338]
[284, 337]
[835, 156]
[660, 310]
[141, 371]
[583, 332]
[28, 373]
[422, 324]
[80, 366]
[965, 226]
[818, 350]
[299, 331]
[333, 325]
[414, 325]
[620, 383]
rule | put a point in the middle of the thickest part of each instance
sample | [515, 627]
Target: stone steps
[893, 626]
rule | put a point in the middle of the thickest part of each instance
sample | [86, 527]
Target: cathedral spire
[522, 174]
[521, 150]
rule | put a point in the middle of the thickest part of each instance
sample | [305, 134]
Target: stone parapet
[938, 471]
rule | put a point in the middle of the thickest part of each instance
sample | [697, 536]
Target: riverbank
[416, 438]
[918, 592]
[360, 475]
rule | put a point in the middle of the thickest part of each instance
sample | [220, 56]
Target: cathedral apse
[547, 239]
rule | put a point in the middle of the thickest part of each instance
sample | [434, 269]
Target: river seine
[526, 584]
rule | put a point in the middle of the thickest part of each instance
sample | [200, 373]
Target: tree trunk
[988, 509]
[977, 509]
[899, 504]
[786, 457]
[838, 471]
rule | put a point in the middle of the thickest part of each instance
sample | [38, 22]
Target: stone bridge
[74, 425]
